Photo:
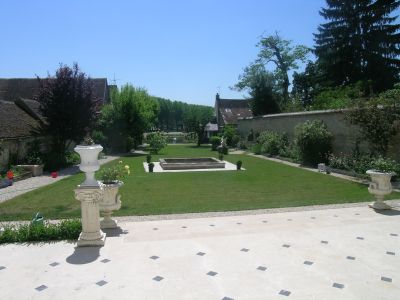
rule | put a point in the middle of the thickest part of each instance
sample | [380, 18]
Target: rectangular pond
[191, 163]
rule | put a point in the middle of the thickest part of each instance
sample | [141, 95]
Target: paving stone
[284, 293]
[158, 278]
[338, 285]
[41, 288]
[101, 282]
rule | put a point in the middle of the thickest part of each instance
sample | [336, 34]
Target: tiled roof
[232, 109]
[15, 122]
[27, 88]
[211, 127]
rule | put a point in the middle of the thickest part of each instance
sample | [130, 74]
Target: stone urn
[379, 187]
[89, 162]
[109, 202]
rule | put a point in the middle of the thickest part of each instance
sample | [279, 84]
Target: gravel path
[27, 185]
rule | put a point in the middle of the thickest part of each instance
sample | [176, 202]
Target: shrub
[148, 158]
[220, 156]
[229, 134]
[34, 155]
[157, 141]
[235, 140]
[215, 142]
[238, 165]
[72, 158]
[151, 167]
[272, 142]
[256, 149]
[242, 145]
[99, 137]
[64, 230]
[314, 142]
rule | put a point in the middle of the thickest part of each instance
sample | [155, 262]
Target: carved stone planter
[89, 162]
[379, 187]
[109, 202]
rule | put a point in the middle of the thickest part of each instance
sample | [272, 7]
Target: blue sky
[182, 50]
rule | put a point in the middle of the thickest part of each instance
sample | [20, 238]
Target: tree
[68, 108]
[378, 119]
[195, 118]
[284, 56]
[263, 89]
[360, 42]
[306, 84]
[131, 112]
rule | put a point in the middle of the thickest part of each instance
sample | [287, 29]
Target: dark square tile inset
[106, 260]
[324, 242]
[200, 253]
[394, 234]
[357, 214]
[239, 223]
[155, 228]
[286, 245]
[351, 257]
[360, 238]
[154, 257]
[338, 285]
[289, 219]
[212, 273]
[101, 282]
[212, 225]
[335, 216]
[184, 227]
[387, 279]
[41, 288]
[261, 268]
[308, 263]
[227, 298]
[53, 264]
[2, 268]
[312, 217]
[158, 278]
[265, 221]
[245, 250]
[284, 293]
[390, 253]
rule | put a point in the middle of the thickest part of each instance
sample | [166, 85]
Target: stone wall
[344, 134]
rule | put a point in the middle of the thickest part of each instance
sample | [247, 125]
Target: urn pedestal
[379, 187]
[91, 234]
[110, 201]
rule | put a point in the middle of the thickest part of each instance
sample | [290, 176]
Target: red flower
[10, 175]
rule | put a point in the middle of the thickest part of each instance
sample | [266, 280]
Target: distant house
[20, 114]
[229, 110]
[211, 129]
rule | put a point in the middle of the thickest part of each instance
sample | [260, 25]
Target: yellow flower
[126, 167]
[120, 161]
[129, 172]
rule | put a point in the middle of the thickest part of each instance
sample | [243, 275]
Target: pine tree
[360, 42]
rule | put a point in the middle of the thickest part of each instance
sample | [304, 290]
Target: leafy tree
[263, 89]
[68, 108]
[157, 141]
[306, 84]
[195, 118]
[359, 42]
[131, 112]
[378, 119]
[284, 56]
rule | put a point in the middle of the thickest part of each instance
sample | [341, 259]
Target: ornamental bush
[215, 142]
[157, 141]
[272, 142]
[314, 142]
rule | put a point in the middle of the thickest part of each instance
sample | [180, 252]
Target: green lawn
[264, 184]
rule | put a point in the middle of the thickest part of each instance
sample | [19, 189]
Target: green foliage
[272, 142]
[99, 137]
[221, 156]
[313, 141]
[378, 119]
[231, 136]
[148, 158]
[242, 145]
[215, 142]
[114, 173]
[68, 105]
[131, 112]
[34, 155]
[151, 167]
[179, 116]
[239, 165]
[363, 162]
[256, 149]
[359, 42]
[63, 230]
[157, 141]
